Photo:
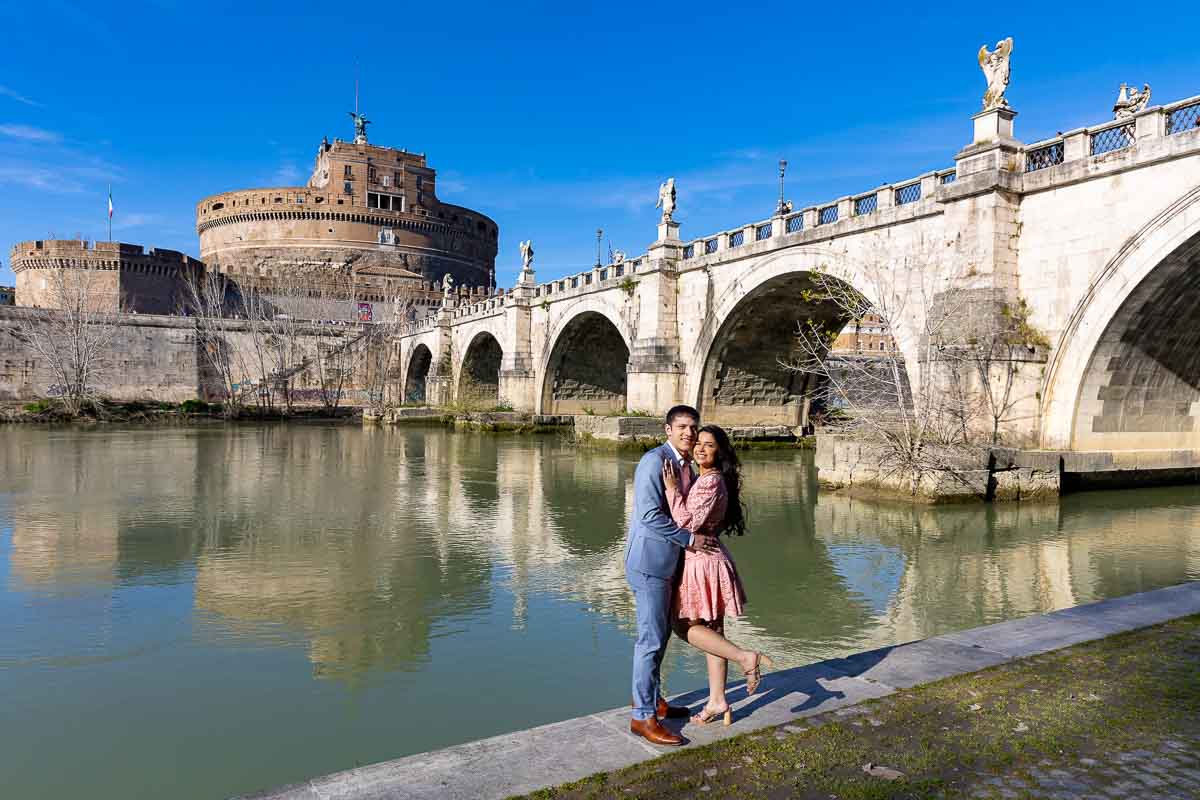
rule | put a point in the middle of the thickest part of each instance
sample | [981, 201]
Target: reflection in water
[312, 587]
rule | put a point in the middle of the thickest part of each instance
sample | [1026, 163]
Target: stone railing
[1114, 136]
[601, 277]
[850, 211]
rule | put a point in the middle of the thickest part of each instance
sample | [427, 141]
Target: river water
[196, 613]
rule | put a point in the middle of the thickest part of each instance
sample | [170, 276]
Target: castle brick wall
[118, 276]
[150, 358]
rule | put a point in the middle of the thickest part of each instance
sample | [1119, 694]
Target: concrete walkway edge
[523, 761]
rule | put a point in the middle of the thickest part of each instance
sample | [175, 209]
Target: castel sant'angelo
[367, 211]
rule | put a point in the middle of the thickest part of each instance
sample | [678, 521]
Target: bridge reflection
[368, 545]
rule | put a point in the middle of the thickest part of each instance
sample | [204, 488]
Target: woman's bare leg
[713, 643]
[718, 669]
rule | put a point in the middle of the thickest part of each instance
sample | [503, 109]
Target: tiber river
[195, 613]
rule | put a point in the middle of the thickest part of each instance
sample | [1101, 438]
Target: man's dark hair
[679, 411]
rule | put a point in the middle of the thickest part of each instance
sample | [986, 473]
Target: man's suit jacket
[655, 542]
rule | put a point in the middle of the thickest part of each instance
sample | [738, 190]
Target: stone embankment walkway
[1024, 714]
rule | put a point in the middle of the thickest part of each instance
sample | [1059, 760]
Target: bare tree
[910, 424]
[207, 301]
[332, 301]
[74, 336]
[998, 341]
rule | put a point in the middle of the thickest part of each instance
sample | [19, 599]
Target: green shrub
[195, 407]
[39, 406]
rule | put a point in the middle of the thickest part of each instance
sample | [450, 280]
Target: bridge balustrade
[908, 194]
[689, 251]
[827, 215]
[762, 232]
[867, 204]
[1183, 118]
[794, 224]
[1046, 156]
[948, 178]
[710, 247]
[737, 238]
[1116, 137]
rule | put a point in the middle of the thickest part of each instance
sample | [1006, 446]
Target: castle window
[420, 182]
[347, 188]
[348, 173]
[386, 181]
[372, 175]
[319, 200]
[299, 201]
[397, 178]
[278, 199]
[218, 206]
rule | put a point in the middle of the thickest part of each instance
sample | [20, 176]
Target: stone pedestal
[992, 147]
[668, 231]
[994, 125]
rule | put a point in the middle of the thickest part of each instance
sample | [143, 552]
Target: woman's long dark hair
[730, 468]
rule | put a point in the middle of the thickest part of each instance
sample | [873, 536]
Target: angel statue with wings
[360, 125]
[995, 69]
[666, 200]
[526, 254]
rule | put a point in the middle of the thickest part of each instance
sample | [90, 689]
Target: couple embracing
[683, 578]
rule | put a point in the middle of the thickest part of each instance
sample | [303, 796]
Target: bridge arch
[417, 374]
[586, 362]
[1125, 374]
[479, 371]
[732, 365]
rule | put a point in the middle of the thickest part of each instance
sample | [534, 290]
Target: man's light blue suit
[652, 555]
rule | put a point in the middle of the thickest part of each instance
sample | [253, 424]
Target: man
[652, 556]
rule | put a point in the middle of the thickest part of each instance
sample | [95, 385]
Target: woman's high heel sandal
[754, 676]
[707, 715]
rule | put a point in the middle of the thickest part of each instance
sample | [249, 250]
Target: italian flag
[110, 203]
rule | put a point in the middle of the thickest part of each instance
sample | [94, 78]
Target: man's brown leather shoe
[652, 731]
[664, 711]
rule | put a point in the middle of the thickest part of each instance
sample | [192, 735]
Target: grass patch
[1117, 695]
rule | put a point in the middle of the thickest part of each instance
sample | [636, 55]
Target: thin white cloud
[20, 98]
[134, 219]
[288, 174]
[28, 133]
[34, 177]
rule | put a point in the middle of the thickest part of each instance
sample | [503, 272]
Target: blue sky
[554, 119]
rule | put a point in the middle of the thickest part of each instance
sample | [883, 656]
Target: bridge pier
[518, 378]
[656, 373]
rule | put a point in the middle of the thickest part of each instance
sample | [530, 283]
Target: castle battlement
[84, 254]
[121, 276]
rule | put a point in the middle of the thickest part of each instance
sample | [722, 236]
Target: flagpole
[110, 213]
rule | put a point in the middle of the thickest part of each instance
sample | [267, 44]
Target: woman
[709, 587]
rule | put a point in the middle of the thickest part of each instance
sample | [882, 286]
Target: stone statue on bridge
[666, 200]
[1131, 101]
[447, 290]
[995, 66]
[526, 254]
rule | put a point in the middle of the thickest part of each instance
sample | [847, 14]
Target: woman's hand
[670, 479]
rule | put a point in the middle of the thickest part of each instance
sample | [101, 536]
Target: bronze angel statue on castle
[996, 70]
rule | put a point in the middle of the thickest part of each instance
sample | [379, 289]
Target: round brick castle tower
[369, 208]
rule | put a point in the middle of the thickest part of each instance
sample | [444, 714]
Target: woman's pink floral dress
[709, 587]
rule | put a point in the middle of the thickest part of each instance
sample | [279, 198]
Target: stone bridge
[1098, 229]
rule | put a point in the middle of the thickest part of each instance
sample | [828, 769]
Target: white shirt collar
[678, 458]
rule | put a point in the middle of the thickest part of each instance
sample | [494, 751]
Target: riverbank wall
[602, 431]
[528, 760]
[154, 357]
[998, 473]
